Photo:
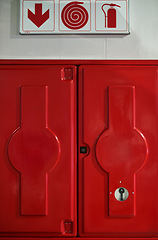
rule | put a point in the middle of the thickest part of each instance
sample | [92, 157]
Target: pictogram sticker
[37, 16]
[74, 15]
[111, 16]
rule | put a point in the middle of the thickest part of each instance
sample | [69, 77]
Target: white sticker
[77, 17]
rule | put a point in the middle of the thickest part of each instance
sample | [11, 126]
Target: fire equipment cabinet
[104, 112]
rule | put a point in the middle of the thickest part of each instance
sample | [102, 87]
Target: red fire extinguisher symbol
[110, 17]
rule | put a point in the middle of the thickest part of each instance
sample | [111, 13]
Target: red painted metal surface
[73, 238]
[127, 148]
[38, 151]
[79, 62]
[118, 124]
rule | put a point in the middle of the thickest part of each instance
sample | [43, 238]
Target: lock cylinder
[121, 194]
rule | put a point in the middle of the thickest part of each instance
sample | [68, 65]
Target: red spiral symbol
[74, 16]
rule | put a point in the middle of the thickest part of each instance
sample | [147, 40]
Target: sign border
[56, 26]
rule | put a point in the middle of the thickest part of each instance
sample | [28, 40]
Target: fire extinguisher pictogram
[110, 19]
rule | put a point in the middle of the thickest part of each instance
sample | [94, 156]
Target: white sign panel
[74, 17]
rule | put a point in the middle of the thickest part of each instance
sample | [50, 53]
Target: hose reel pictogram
[74, 15]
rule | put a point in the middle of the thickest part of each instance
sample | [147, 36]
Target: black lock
[83, 149]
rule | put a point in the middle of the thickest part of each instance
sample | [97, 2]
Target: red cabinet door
[118, 155]
[38, 150]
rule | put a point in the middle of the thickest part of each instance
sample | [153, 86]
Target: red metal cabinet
[118, 125]
[37, 150]
[113, 183]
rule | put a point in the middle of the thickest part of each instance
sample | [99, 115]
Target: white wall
[142, 43]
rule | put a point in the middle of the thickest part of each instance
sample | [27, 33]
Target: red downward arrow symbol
[38, 18]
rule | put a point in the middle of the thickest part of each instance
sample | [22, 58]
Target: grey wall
[142, 43]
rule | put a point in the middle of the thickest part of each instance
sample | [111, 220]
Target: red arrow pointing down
[38, 18]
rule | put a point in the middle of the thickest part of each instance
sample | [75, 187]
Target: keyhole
[121, 194]
[121, 191]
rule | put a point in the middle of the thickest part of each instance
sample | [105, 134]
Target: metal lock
[121, 194]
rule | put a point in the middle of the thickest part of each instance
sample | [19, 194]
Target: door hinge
[67, 74]
[67, 227]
